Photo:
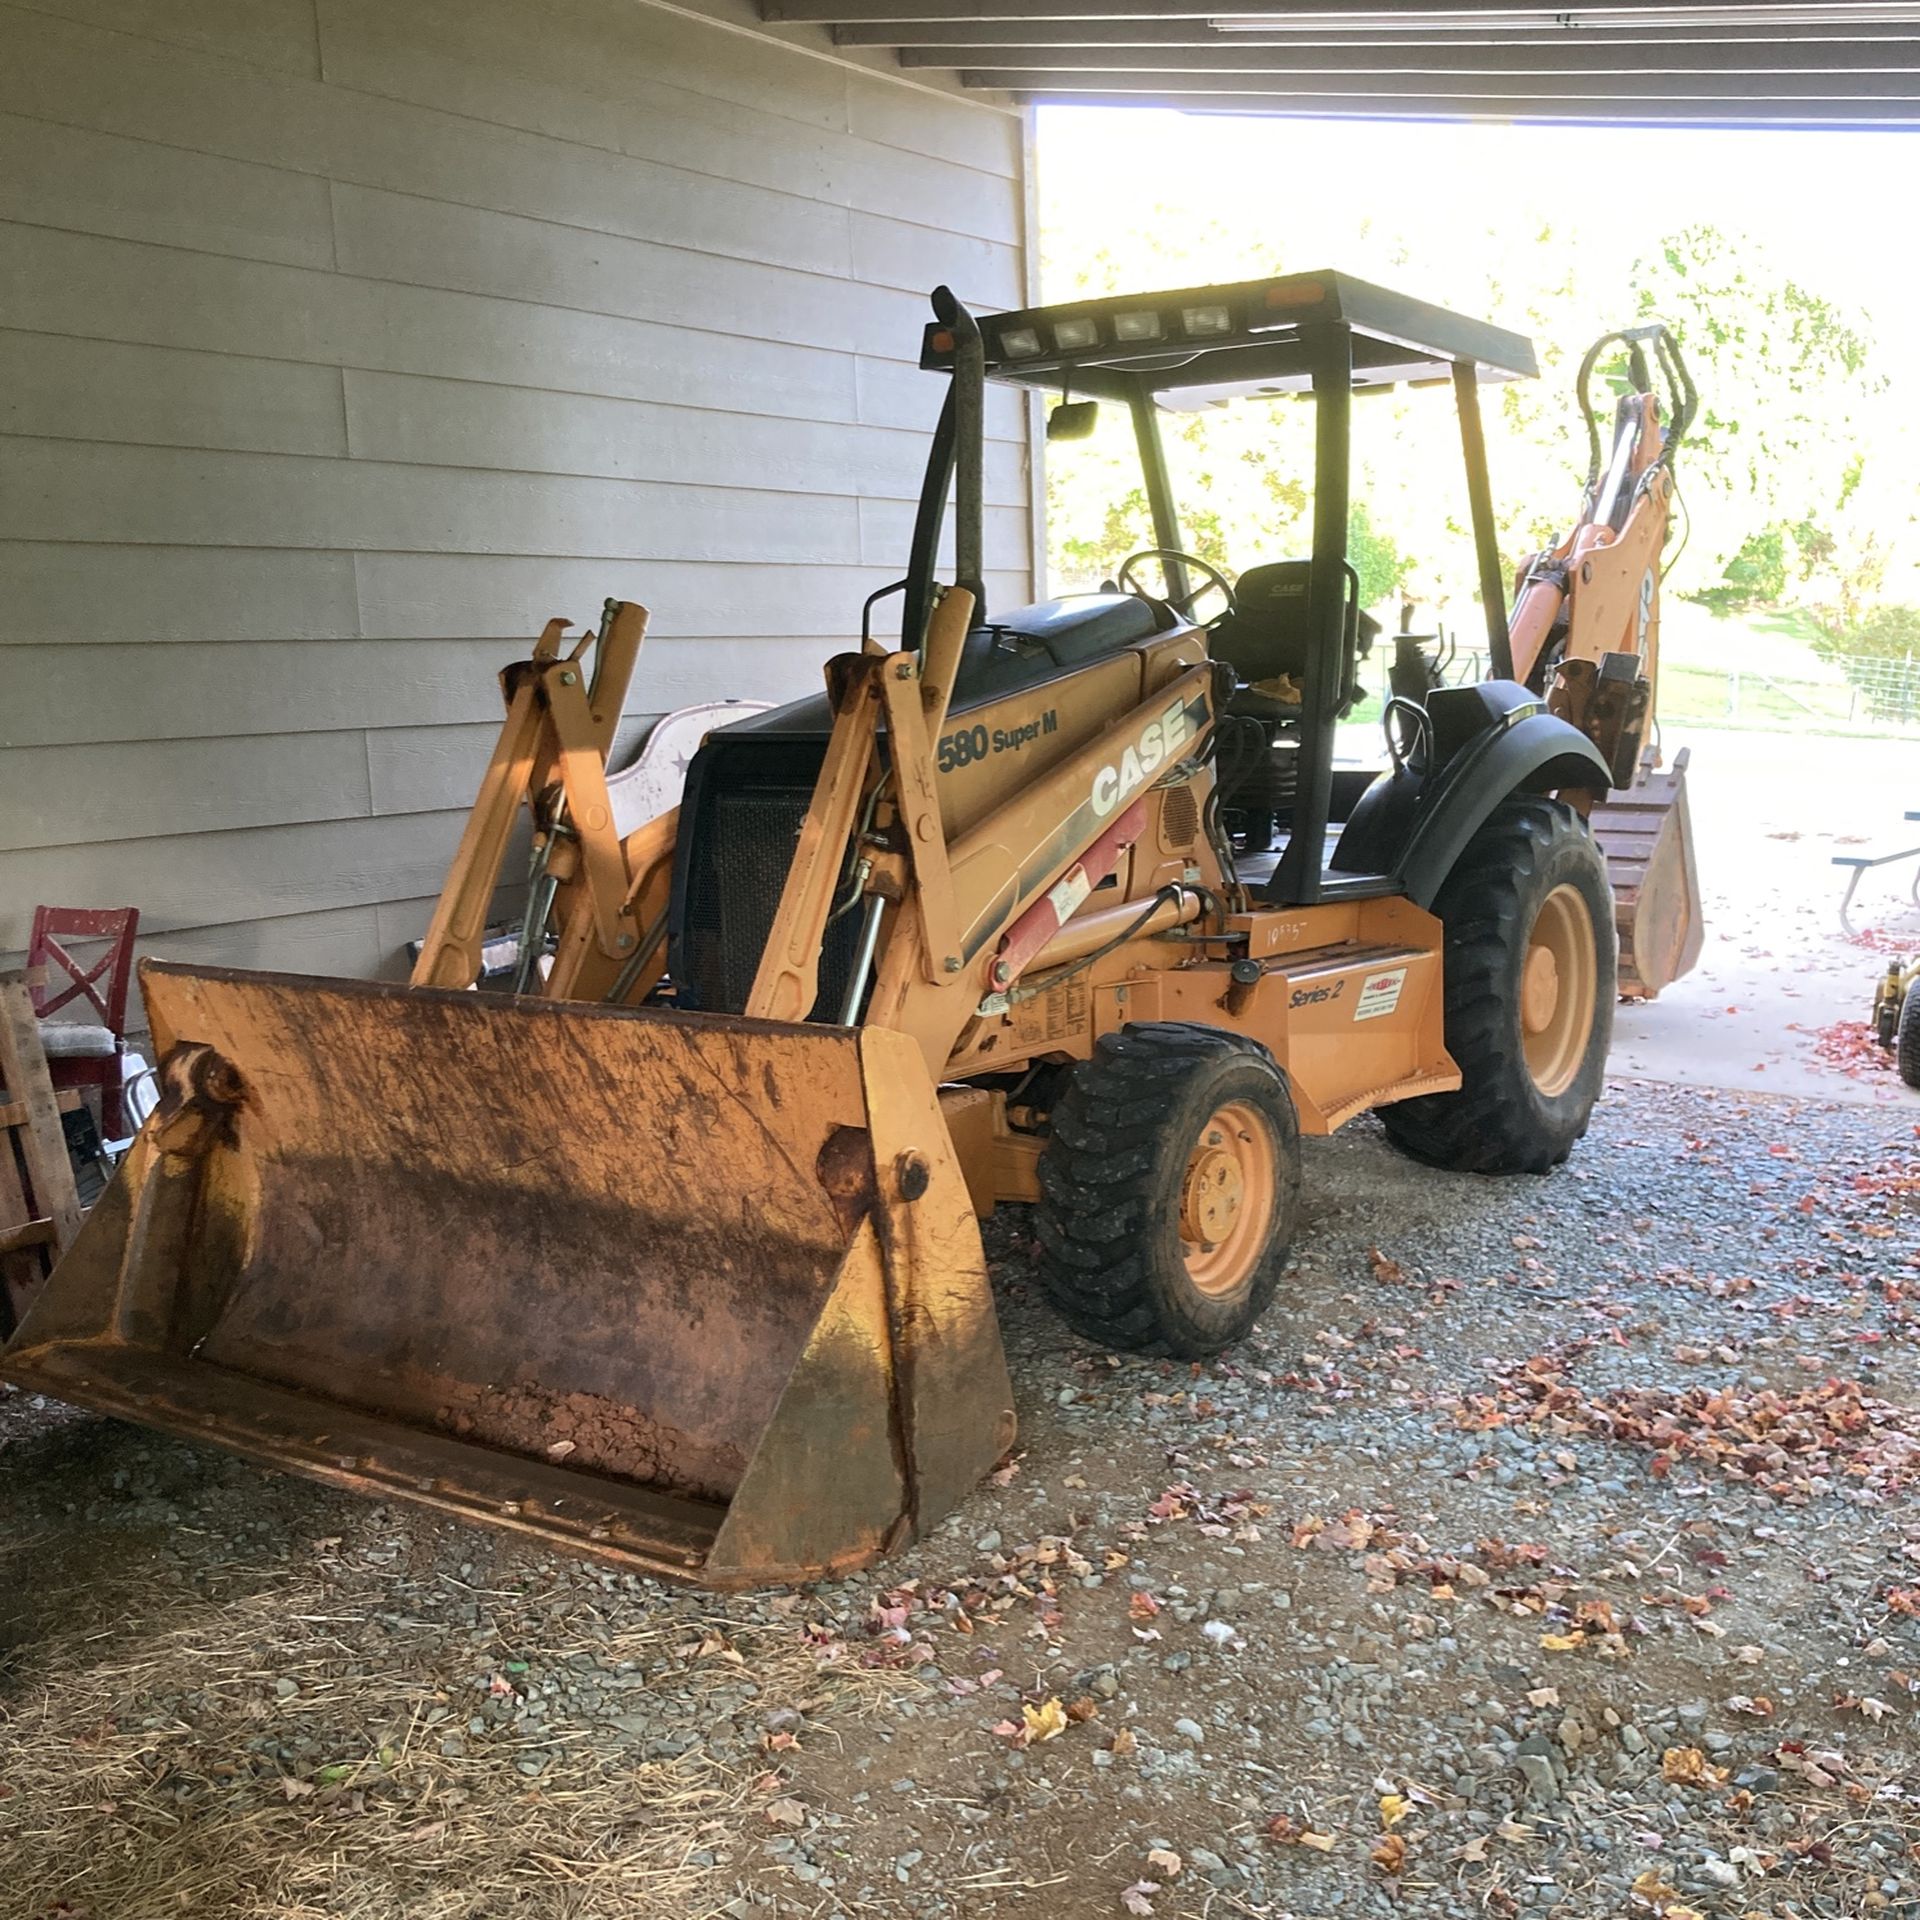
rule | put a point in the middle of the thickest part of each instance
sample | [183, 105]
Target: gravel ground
[1549, 1552]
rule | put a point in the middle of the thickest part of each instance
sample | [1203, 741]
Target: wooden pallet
[39, 1208]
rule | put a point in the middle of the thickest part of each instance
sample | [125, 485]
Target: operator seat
[1269, 632]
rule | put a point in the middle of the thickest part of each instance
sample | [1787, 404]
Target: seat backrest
[103, 984]
[1270, 630]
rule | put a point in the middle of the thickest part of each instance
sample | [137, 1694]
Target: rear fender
[1528, 752]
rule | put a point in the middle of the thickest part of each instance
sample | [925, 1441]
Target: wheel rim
[1227, 1198]
[1559, 985]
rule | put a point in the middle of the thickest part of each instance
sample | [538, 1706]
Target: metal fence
[1867, 694]
[1842, 693]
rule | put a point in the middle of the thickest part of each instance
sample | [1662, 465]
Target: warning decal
[1379, 994]
[1069, 891]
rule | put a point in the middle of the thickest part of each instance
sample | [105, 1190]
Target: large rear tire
[1531, 971]
[1170, 1186]
[1906, 1039]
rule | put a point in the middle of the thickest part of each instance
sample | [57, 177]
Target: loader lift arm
[606, 898]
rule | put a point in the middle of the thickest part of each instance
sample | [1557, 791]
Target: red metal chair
[84, 1053]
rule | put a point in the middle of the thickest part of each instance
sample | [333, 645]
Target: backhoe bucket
[1647, 837]
[699, 1294]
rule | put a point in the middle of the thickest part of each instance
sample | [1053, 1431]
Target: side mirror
[1073, 420]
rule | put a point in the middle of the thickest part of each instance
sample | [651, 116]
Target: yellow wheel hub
[1227, 1198]
[1559, 989]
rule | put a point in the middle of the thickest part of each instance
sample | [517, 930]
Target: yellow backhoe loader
[672, 1256]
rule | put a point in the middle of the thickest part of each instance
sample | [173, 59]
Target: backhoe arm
[1598, 591]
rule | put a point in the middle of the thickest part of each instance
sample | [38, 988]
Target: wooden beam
[1321, 34]
[23, 1238]
[1707, 111]
[13, 1113]
[1649, 12]
[23, 1068]
[1833, 69]
[1856, 93]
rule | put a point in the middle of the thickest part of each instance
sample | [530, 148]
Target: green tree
[1772, 464]
[1381, 565]
[1772, 475]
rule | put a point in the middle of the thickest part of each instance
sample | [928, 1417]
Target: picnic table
[1863, 862]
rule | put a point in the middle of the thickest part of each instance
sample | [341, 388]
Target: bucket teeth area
[690, 1291]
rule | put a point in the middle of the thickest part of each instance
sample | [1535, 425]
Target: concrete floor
[1769, 813]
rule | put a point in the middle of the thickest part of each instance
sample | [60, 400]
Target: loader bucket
[1647, 837]
[698, 1294]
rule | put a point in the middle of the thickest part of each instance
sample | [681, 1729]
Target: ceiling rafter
[1769, 62]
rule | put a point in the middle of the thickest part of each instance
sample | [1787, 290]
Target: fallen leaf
[1143, 1606]
[1123, 1743]
[1689, 1767]
[1394, 1808]
[1389, 1853]
[1319, 1842]
[295, 1789]
[1044, 1722]
[1543, 1696]
[1865, 1704]
[1165, 1860]
[1649, 1890]
[786, 1812]
[1562, 1642]
[560, 1449]
[1136, 1897]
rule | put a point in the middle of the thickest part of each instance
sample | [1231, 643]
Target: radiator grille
[738, 866]
[1179, 817]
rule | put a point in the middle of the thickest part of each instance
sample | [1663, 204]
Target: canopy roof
[1196, 346]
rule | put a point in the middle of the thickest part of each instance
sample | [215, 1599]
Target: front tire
[1531, 977]
[1906, 1039]
[1170, 1186]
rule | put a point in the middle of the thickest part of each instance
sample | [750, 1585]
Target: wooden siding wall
[344, 341]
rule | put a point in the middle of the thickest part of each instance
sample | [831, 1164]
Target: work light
[1070, 336]
[1202, 321]
[1019, 343]
[1136, 326]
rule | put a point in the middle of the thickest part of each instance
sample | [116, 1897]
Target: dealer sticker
[1379, 994]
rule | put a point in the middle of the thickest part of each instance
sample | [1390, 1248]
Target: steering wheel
[1183, 605]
